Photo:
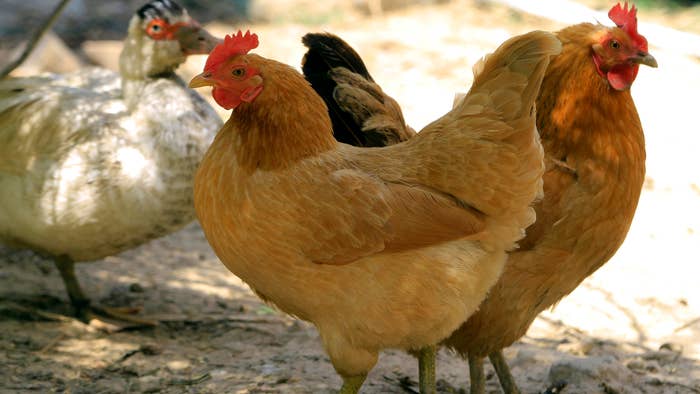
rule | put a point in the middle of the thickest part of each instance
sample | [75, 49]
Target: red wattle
[225, 99]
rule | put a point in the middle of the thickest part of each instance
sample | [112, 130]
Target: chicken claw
[352, 385]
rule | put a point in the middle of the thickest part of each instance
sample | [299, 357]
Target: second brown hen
[594, 152]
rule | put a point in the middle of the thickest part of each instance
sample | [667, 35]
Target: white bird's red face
[165, 20]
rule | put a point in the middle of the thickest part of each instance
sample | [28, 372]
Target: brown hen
[594, 153]
[378, 247]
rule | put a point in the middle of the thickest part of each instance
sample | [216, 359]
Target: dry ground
[633, 327]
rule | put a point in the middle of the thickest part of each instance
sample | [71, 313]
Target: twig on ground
[407, 384]
[34, 40]
[688, 324]
[13, 306]
[659, 382]
[189, 382]
[51, 344]
[216, 319]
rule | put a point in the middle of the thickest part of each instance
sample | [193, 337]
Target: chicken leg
[426, 370]
[503, 371]
[352, 384]
[81, 303]
[476, 375]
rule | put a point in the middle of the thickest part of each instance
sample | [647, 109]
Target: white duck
[94, 163]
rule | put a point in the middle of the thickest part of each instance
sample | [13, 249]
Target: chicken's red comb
[626, 19]
[233, 45]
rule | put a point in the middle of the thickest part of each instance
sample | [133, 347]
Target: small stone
[584, 374]
[150, 350]
[636, 365]
[662, 356]
[673, 347]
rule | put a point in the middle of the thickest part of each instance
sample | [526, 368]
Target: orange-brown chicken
[594, 153]
[594, 148]
[378, 247]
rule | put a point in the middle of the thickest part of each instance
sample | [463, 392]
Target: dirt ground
[632, 327]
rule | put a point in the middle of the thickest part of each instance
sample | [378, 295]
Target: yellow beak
[203, 79]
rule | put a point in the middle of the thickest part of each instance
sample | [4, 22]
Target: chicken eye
[238, 72]
[614, 44]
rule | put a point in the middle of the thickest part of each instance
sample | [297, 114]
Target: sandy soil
[632, 327]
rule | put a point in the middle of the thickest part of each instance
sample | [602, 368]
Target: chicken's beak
[645, 59]
[203, 79]
[195, 41]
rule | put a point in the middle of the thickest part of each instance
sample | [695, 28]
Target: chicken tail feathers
[361, 113]
[511, 76]
[327, 51]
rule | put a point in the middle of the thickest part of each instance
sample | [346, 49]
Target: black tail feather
[326, 52]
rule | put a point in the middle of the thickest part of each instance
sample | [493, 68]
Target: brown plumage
[594, 153]
[378, 247]
[594, 149]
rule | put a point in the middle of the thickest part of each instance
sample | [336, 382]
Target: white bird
[94, 163]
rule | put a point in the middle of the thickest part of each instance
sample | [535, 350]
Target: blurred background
[633, 326]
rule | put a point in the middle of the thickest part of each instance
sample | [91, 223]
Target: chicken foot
[351, 385]
[426, 370]
[503, 371]
[82, 304]
[477, 381]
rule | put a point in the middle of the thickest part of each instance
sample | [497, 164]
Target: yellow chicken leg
[426, 370]
[476, 375]
[503, 371]
[352, 384]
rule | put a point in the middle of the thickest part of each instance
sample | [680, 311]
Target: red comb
[233, 45]
[626, 19]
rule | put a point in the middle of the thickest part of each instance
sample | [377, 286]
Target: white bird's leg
[82, 304]
[66, 267]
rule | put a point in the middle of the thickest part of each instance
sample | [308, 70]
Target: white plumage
[95, 162]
